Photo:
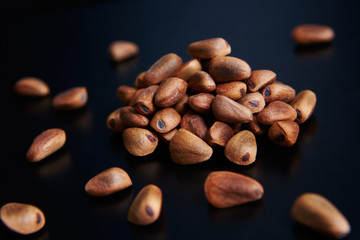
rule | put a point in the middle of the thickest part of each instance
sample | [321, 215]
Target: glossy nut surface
[209, 48]
[318, 213]
[241, 149]
[144, 101]
[108, 182]
[284, 133]
[219, 134]
[276, 111]
[260, 79]
[227, 69]
[187, 148]
[278, 91]
[232, 90]
[162, 68]
[227, 189]
[113, 121]
[170, 92]
[194, 122]
[46, 144]
[312, 34]
[139, 141]
[201, 82]
[188, 69]
[229, 111]
[253, 101]
[130, 118]
[122, 50]
[31, 87]
[73, 98]
[201, 102]
[146, 207]
[125, 93]
[22, 218]
[182, 106]
[165, 120]
[304, 104]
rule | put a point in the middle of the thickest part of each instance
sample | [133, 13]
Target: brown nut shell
[31, 87]
[166, 137]
[227, 69]
[186, 148]
[253, 101]
[304, 104]
[312, 34]
[201, 82]
[219, 134]
[73, 98]
[257, 128]
[194, 122]
[139, 81]
[162, 68]
[278, 91]
[188, 69]
[46, 144]
[229, 111]
[318, 213]
[22, 218]
[276, 111]
[130, 118]
[165, 120]
[201, 102]
[260, 79]
[139, 141]
[108, 182]
[232, 90]
[125, 93]
[284, 133]
[241, 148]
[146, 207]
[182, 106]
[209, 48]
[143, 103]
[227, 189]
[113, 121]
[170, 92]
[122, 50]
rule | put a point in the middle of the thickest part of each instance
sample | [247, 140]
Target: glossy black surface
[65, 43]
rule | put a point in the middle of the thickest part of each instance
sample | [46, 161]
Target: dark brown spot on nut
[298, 114]
[246, 157]
[144, 109]
[254, 103]
[251, 84]
[161, 124]
[280, 138]
[242, 91]
[257, 192]
[38, 218]
[149, 211]
[112, 123]
[151, 138]
[267, 92]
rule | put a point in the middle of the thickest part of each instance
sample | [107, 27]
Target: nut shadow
[301, 232]
[124, 68]
[323, 50]
[82, 118]
[33, 105]
[156, 230]
[7, 234]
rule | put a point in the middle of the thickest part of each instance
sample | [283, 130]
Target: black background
[65, 43]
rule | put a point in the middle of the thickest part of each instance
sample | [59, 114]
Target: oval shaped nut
[227, 189]
[284, 133]
[139, 81]
[195, 124]
[227, 69]
[201, 102]
[201, 82]
[74, 98]
[257, 128]
[31, 87]
[312, 34]
[318, 213]
[108, 182]
[218, 134]
[139, 141]
[125, 93]
[166, 137]
[182, 106]
[209, 48]
[122, 50]
[165, 120]
[241, 148]
[113, 121]
[253, 101]
[278, 91]
[304, 104]
[130, 118]
[132, 100]
[46, 144]
[232, 90]
[162, 68]
[229, 111]
[276, 111]
[146, 207]
[170, 92]
[143, 103]
[22, 218]
[259, 79]
[186, 148]
[188, 69]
